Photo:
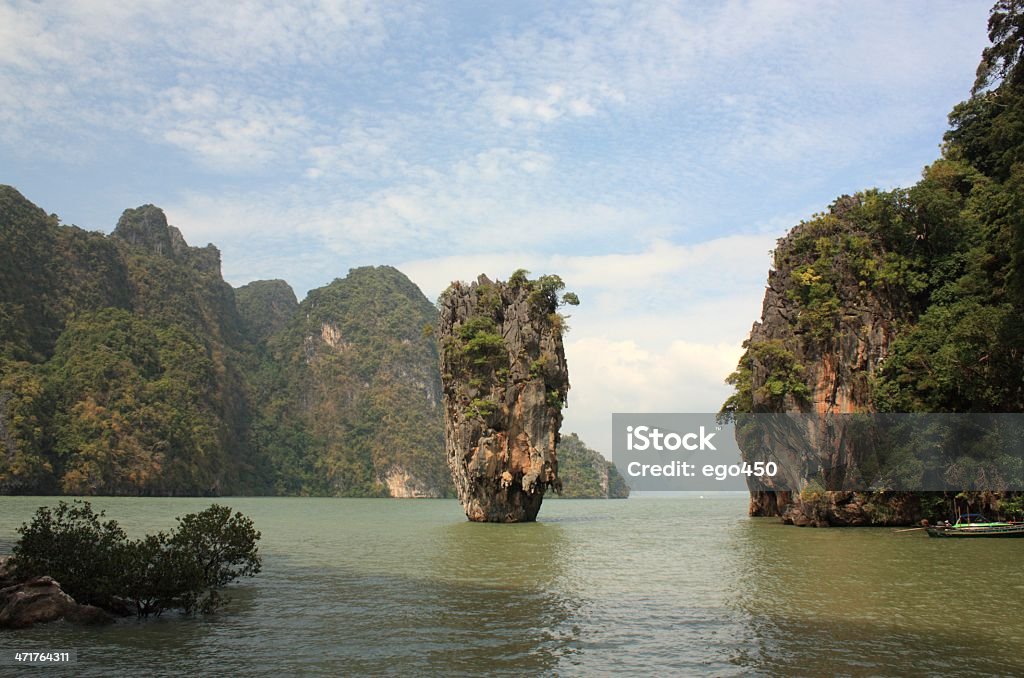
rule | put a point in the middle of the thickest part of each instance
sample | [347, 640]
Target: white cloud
[657, 273]
[244, 34]
[25, 39]
[610, 376]
[361, 150]
[256, 33]
[209, 82]
[569, 65]
[546, 106]
[603, 57]
[227, 130]
[497, 198]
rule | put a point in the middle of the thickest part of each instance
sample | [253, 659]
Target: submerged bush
[96, 563]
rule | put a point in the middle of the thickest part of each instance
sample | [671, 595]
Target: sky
[649, 153]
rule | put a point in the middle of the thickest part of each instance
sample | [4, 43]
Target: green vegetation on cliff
[129, 367]
[945, 257]
[120, 365]
[265, 307]
[477, 351]
[135, 408]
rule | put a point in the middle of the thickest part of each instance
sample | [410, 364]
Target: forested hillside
[120, 368]
[349, 392]
[128, 366]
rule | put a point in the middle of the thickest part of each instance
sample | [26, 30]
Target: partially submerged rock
[505, 381]
[852, 509]
[41, 600]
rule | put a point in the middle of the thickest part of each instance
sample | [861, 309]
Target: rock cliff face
[505, 381]
[146, 228]
[826, 325]
[903, 301]
[355, 375]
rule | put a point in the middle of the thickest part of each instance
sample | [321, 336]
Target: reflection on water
[503, 602]
[677, 586]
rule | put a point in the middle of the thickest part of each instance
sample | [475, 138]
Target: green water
[677, 586]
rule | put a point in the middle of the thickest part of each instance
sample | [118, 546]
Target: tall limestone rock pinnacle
[505, 381]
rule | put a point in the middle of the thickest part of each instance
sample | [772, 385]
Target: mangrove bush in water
[96, 563]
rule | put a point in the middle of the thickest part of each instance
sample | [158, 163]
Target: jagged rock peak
[505, 381]
[146, 227]
[20, 210]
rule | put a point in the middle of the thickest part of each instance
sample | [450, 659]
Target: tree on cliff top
[477, 348]
[1000, 61]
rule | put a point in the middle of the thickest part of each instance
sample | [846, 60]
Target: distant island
[128, 366]
[586, 474]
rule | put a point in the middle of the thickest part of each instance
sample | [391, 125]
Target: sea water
[678, 585]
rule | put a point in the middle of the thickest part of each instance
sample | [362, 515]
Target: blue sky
[650, 153]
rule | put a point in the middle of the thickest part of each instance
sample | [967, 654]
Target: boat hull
[1005, 532]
